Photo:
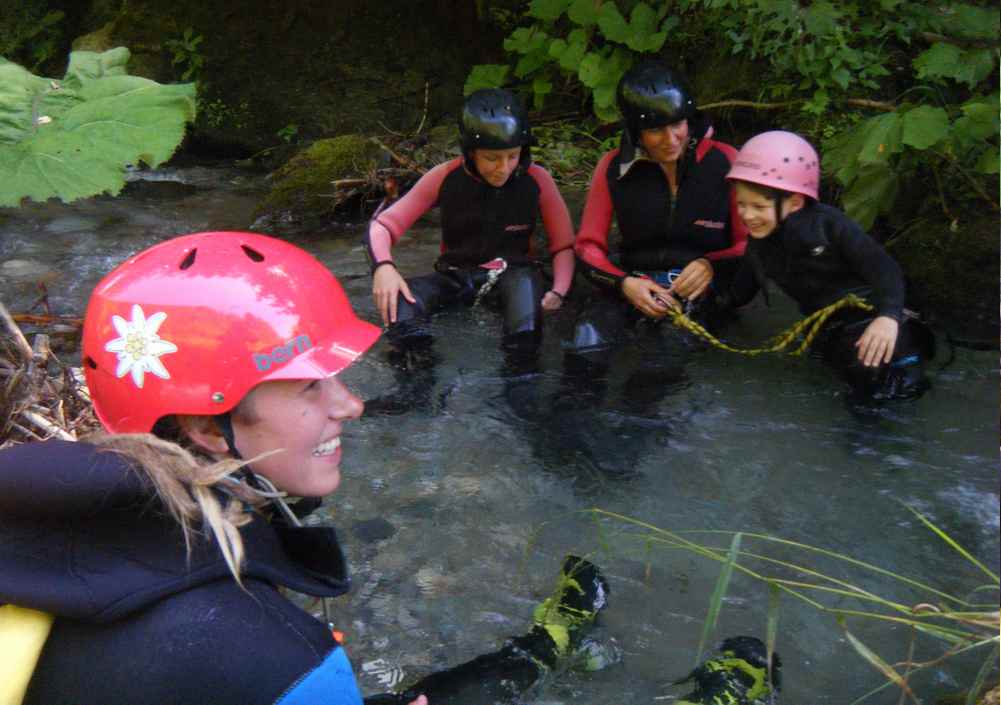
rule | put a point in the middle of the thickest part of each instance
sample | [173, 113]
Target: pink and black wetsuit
[480, 223]
[659, 233]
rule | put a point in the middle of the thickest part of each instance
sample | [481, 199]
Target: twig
[858, 102]
[932, 37]
[47, 426]
[408, 163]
[19, 340]
[427, 95]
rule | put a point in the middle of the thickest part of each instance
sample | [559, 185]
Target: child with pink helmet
[817, 255]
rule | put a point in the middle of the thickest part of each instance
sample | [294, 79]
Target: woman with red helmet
[817, 255]
[160, 547]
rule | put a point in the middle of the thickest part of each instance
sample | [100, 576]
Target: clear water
[456, 514]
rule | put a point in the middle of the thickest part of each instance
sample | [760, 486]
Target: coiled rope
[808, 328]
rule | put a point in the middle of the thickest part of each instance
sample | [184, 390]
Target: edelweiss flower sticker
[139, 347]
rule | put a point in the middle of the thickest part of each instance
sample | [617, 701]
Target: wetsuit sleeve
[744, 285]
[332, 682]
[873, 264]
[388, 226]
[738, 231]
[592, 238]
[559, 228]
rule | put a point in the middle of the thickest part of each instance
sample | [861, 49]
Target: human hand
[694, 279]
[387, 284]
[876, 344]
[552, 300]
[421, 700]
[648, 297]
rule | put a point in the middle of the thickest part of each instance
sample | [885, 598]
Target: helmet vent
[89, 361]
[252, 253]
[189, 259]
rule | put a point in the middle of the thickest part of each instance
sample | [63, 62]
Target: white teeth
[327, 447]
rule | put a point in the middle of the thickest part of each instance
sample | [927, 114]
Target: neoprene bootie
[737, 674]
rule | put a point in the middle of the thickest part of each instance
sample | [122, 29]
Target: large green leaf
[485, 76]
[882, 138]
[73, 138]
[547, 10]
[583, 12]
[943, 60]
[925, 126]
[871, 193]
[612, 24]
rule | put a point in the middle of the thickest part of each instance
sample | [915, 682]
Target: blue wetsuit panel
[332, 682]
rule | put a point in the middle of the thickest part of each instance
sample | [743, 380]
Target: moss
[303, 185]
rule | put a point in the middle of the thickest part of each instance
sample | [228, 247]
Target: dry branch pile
[41, 397]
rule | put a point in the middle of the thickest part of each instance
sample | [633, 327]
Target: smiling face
[495, 166]
[303, 418]
[665, 144]
[757, 209]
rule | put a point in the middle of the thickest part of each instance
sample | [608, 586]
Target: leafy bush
[916, 79]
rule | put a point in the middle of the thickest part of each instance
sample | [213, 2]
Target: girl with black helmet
[666, 187]
[489, 199]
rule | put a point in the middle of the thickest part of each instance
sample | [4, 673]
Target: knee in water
[587, 338]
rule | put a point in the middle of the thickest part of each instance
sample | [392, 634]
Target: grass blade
[978, 682]
[718, 593]
[873, 658]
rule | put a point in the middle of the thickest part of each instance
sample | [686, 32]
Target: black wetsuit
[138, 621]
[817, 256]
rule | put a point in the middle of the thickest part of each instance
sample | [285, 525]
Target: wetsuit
[817, 256]
[138, 621]
[480, 223]
[658, 233]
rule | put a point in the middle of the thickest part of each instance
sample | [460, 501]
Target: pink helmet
[780, 160]
[191, 325]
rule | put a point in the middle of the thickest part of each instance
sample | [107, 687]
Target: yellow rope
[808, 328]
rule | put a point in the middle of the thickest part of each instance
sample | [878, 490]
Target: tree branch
[858, 102]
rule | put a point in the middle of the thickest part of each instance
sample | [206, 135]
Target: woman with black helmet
[489, 200]
[666, 188]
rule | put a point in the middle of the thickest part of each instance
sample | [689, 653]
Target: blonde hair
[187, 485]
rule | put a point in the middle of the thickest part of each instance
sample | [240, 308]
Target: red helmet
[191, 325]
[780, 160]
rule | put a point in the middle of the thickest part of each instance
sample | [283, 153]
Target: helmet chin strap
[259, 484]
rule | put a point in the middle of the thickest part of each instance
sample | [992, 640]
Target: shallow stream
[456, 514]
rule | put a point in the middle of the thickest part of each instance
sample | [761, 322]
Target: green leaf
[540, 89]
[872, 192]
[548, 10]
[944, 60]
[530, 63]
[925, 126]
[589, 71]
[570, 52]
[485, 76]
[842, 77]
[583, 12]
[981, 117]
[821, 18]
[882, 138]
[988, 162]
[612, 24]
[974, 22]
[72, 143]
[525, 40]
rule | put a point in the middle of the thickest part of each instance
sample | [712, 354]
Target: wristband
[390, 262]
[553, 291]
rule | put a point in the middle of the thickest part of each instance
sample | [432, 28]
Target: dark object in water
[504, 675]
[737, 674]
